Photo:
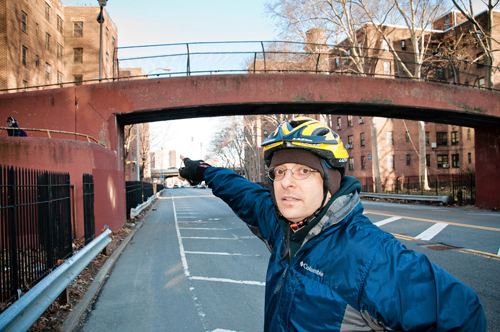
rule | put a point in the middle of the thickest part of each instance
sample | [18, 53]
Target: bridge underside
[386, 111]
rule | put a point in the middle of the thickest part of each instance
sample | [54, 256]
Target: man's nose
[288, 180]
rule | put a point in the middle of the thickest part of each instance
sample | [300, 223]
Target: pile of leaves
[57, 312]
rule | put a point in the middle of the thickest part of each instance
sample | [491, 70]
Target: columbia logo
[310, 269]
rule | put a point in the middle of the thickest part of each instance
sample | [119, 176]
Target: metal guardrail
[439, 199]
[48, 131]
[25, 311]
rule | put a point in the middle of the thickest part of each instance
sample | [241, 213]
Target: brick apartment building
[449, 149]
[44, 42]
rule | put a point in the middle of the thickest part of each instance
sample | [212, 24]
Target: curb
[80, 309]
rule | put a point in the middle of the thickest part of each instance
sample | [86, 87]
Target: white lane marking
[432, 231]
[206, 229]
[222, 330]
[498, 252]
[209, 238]
[181, 246]
[217, 253]
[386, 221]
[244, 282]
[197, 303]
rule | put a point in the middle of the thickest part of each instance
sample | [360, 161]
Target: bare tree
[482, 32]
[229, 143]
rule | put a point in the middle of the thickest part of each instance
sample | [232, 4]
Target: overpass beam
[487, 148]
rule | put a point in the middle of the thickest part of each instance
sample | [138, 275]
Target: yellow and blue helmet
[311, 135]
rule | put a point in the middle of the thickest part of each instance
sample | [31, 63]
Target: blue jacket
[347, 275]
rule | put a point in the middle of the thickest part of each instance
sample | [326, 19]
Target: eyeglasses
[298, 172]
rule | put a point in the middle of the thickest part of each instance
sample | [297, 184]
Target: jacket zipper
[280, 283]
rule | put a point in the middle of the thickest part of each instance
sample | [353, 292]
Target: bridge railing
[257, 57]
[244, 57]
[90, 139]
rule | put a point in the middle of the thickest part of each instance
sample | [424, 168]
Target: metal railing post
[188, 69]
[264, 55]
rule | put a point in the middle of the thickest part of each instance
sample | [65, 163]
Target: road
[194, 266]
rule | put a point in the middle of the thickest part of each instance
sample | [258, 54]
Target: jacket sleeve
[251, 202]
[407, 292]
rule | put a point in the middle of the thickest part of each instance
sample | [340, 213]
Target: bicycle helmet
[308, 134]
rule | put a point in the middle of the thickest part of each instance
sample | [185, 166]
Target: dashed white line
[218, 253]
[209, 238]
[244, 282]
[432, 231]
[386, 221]
[498, 252]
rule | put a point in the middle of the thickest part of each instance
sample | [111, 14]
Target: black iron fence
[462, 187]
[35, 221]
[88, 207]
[137, 193]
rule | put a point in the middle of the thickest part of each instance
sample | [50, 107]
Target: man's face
[298, 199]
[9, 123]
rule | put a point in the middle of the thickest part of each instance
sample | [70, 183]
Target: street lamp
[100, 19]
[164, 69]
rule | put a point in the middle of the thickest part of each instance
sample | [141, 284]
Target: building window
[78, 29]
[362, 139]
[387, 68]
[47, 71]
[113, 40]
[350, 141]
[47, 12]
[24, 21]
[107, 56]
[47, 41]
[390, 138]
[36, 29]
[442, 138]
[351, 163]
[427, 138]
[37, 61]
[469, 157]
[59, 77]
[24, 56]
[349, 121]
[25, 85]
[78, 79]
[407, 137]
[442, 161]
[408, 160]
[339, 123]
[428, 160]
[60, 51]
[447, 24]
[481, 82]
[455, 160]
[363, 162]
[454, 137]
[390, 163]
[59, 24]
[403, 45]
[107, 31]
[468, 134]
[385, 45]
[78, 55]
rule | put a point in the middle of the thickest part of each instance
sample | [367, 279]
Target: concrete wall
[75, 158]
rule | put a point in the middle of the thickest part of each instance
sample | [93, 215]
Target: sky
[151, 22]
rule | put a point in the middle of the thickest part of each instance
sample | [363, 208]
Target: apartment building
[44, 43]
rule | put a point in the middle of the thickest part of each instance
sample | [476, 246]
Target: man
[330, 268]
[11, 122]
